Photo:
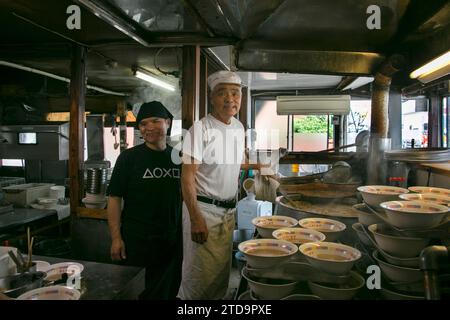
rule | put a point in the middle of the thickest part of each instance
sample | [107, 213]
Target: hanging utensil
[289, 200]
[16, 261]
[30, 253]
[22, 261]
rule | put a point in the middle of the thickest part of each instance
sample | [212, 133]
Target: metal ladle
[289, 200]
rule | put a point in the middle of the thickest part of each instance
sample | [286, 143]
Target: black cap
[153, 109]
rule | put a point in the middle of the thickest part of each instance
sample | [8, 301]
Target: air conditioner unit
[313, 105]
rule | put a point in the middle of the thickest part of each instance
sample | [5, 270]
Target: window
[414, 124]
[271, 129]
[312, 133]
[12, 162]
[358, 120]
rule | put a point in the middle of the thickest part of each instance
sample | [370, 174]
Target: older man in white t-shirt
[213, 152]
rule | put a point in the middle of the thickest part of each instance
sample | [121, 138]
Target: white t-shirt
[218, 148]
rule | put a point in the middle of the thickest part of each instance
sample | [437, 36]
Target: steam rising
[171, 100]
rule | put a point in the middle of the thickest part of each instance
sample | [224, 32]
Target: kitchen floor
[233, 285]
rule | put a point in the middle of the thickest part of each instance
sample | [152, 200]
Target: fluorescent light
[154, 80]
[268, 75]
[434, 69]
[54, 76]
[358, 82]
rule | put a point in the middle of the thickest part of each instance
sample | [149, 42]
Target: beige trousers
[206, 267]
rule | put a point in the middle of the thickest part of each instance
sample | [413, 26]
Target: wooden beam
[122, 113]
[203, 94]
[434, 121]
[92, 213]
[76, 136]
[190, 86]
[101, 104]
[244, 107]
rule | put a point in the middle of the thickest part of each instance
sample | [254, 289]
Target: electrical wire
[172, 73]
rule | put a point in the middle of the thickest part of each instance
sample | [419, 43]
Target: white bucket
[57, 192]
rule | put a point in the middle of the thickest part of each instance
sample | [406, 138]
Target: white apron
[206, 267]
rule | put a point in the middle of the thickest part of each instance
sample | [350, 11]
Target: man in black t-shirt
[147, 231]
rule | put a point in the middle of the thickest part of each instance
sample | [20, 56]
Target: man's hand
[199, 230]
[118, 250]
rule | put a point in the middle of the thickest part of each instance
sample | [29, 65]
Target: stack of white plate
[94, 201]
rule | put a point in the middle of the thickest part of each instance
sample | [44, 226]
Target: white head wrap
[223, 77]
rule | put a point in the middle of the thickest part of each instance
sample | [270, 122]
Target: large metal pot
[13, 286]
[282, 208]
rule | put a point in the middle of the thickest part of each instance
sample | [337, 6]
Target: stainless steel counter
[23, 216]
[103, 281]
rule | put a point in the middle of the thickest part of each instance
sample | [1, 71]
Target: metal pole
[328, 131]
[379, 142]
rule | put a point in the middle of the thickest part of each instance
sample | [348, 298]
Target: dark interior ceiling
[297, 36]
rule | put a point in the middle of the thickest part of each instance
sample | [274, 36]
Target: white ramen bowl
[298, 235]
[376, 194]
[414, 214]
[267, 225]
[266, 253]
[330, 257]
[332, 229]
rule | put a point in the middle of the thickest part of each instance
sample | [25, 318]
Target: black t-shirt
[149, 183]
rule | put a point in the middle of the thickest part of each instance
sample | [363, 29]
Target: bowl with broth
[432, 190]
[298, 235]
[332, 229]
[330, 257]
[267, 225]
[428, 197]
[266, 253]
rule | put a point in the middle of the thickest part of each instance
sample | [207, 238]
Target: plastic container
[57, 192]
[249, 208]
[23, 195]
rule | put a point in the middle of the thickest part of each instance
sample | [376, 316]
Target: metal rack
[10, 181]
